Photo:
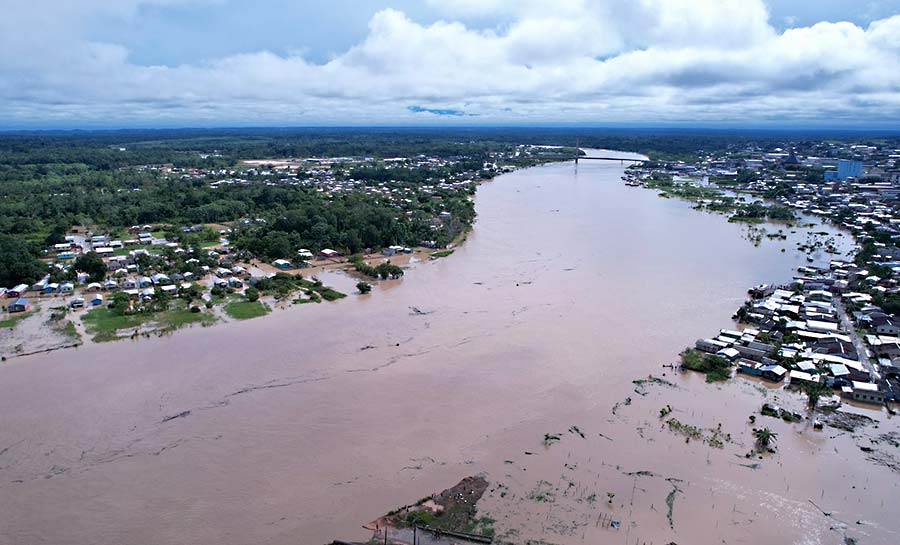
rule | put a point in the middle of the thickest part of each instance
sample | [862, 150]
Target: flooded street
[299, 427]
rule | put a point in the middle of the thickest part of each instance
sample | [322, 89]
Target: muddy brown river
[299, 427]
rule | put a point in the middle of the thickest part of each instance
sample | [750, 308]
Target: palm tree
[764, 437]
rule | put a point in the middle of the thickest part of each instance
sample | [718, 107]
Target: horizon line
[452, 127]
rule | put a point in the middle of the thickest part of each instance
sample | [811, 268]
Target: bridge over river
[621, 160]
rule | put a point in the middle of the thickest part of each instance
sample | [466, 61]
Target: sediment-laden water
[301, 426]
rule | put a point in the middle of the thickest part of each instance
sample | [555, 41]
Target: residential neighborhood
[835, 326]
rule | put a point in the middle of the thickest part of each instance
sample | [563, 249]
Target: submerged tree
[765, 437]
[814, 390]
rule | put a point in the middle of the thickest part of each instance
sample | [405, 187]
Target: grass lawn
[14, 319]
[104, 324]
[245, 310]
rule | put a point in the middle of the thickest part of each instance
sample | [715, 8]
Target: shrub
[252, 294]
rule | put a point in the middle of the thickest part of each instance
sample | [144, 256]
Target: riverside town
[449, 272]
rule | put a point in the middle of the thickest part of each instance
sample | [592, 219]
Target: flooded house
[799, 378]
[866, 392]
[770, 371]
[710, 346]
[17, 291]
[40, 284]
[19, 305]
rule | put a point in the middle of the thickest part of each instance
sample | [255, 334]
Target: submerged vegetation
[716, 368]
[110, 324]
[765, 438]
[245, 310]
[382, 270]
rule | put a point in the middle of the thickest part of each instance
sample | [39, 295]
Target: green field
[245, 310]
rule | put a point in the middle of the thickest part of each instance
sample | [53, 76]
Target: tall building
[849, 169]
[845, 169]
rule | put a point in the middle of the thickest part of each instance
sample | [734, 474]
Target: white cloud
[564, 61]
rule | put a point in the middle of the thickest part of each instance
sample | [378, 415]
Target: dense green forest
[47, 179]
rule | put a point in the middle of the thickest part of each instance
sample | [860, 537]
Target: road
[858, 343]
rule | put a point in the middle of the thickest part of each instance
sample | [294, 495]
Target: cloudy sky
[177, 63]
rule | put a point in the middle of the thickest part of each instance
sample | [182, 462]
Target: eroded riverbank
[300, 427]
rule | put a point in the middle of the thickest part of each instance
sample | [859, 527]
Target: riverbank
[200, 299]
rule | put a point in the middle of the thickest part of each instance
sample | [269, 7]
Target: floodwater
[299, 427]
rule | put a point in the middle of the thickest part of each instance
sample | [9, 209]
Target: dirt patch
[883, 450]
[846, 421]
[454, 510]
[45, 328]
[642, 384]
